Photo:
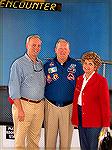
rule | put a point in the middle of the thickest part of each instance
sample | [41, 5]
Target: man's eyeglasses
[37, 68]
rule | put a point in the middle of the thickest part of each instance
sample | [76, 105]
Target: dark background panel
[5, 107]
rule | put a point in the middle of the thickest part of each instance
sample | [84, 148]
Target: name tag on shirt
[52, 70]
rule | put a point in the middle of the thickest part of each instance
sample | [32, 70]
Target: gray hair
[62, 40]
[32, 36]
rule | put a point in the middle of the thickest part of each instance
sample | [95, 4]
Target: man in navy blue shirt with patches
[61, 73]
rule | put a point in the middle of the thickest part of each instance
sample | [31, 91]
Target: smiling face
[89, 67]
[91, 62]
[33, 46]
[62, 51]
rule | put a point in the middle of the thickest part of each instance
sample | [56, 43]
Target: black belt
[29, 100]
[60, 105]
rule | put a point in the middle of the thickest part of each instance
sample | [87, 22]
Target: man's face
[62, 50]
[34, 46]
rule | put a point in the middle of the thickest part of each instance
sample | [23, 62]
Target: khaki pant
[28, 131]
[58, 120]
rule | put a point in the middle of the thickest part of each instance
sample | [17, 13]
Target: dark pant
[88, 136]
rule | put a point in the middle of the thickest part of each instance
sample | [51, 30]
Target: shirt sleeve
[79, 69]
[104, 102]
[15, 81]
[45, 68]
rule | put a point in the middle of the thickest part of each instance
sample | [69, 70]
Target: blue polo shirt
[61, 79]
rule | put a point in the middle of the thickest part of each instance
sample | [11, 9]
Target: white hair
[62, 40]
[32, 36]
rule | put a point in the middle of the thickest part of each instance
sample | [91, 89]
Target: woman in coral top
[91, 105]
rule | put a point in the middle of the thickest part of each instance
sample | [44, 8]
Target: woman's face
[89, 67]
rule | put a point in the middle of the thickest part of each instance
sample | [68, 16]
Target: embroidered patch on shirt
[51, 64]
[72, 68]
[55, 76]
[70, 76]
[49, 79]
[52, 70]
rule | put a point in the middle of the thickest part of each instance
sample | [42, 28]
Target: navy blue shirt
[61, 79]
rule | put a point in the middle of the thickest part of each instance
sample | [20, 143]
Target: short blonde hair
[94, 56]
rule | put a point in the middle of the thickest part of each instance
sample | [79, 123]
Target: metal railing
[104, 63]
[104, 66]
[102, 69]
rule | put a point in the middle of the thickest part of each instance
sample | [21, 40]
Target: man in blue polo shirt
[61, 73]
